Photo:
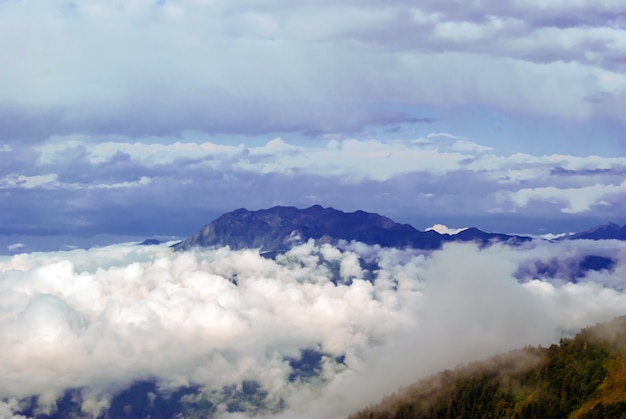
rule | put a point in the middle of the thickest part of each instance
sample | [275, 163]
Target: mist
[374, 319]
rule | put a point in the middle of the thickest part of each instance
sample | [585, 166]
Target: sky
[137, 118]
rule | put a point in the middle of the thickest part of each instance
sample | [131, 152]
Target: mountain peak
[602, 232]
[279, 228]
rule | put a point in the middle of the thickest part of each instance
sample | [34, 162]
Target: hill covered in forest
[583, 377]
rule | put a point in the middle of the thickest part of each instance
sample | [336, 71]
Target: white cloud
[143, 181]
[572, 200]
[8, 409]
[16, 246]
[145, 150]
[552, 236]
[50, 181]
[357, 159]
[438, 153]
[28, 182]
[469, 146]
[104, 317]
[453, 143]
[443, 229]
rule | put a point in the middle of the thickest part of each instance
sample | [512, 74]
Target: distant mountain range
[601, 232]
[277, 229]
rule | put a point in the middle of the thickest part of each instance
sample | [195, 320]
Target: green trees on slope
[583, 377]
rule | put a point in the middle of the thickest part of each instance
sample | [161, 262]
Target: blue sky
[141, 118]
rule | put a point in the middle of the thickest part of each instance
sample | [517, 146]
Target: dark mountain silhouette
[150, 242]
[601, 232]
[279, 228]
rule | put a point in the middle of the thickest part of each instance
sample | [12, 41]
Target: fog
[98, 320]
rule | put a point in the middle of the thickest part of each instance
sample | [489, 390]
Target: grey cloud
[216, 113]
[297, 82]
[361, 120]
[18, 160]
[560, 13]
[21, 123]
[516, 35]
[614, 172]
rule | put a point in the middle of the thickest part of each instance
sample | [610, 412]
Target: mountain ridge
[608, 231]
[279, 228]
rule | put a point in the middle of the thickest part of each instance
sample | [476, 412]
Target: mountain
[150, 242]
[583, 377]
[279, 228]
[601, 232]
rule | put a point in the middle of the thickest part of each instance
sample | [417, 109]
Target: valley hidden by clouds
[99, 320]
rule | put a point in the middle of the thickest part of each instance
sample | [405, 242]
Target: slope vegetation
[583, 377]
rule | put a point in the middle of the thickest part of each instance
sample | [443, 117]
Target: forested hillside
[583, 377]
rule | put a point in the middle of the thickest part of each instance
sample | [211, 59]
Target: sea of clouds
[98, 320]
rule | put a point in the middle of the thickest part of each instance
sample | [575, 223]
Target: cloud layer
[101, 319]
[264, 66]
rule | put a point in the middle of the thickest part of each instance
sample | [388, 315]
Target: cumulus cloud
[437, 154]
[98, 320]
[573, 200]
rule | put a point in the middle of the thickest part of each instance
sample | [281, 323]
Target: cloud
[130, 186]
[572, 200]
[27, 182]
[9, 408]
[308, 76]
[375, 159]
[16, 246]
[552, 236]
[100, 319]
[443, 229]
[465, 145]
